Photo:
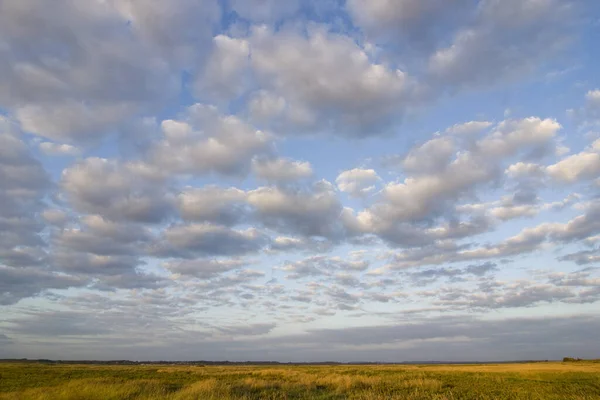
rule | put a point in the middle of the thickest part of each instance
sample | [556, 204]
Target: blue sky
[299, 180]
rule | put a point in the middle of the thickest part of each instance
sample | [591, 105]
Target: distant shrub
[571, 359]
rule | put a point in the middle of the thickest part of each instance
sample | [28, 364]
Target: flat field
[544, 381]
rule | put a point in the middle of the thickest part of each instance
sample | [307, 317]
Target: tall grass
[518, 381]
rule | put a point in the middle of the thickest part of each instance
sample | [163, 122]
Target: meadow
[544, 381]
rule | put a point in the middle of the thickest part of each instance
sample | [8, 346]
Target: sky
[300, 180]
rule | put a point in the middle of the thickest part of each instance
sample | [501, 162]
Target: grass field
[542, 381]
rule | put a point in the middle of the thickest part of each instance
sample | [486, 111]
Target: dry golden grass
[501, 381]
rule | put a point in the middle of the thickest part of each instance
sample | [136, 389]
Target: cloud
[560, 287]
[458, 338]
[178, 31]
[431, 157]
[4, 339]
[110, 61]
[577, 167]
[281, 170]
[213, 204]
[55, 217]
[265, 10]
[528, 240]
[55, 149]
[224, 76]
[592, 98]
[247, 330]
[506, 40]
[582, 257]
[290, 244]
[19, 283]
[117, 190]
[311, 213]
[434, 185]
[206, 142]
[23, 185]
[423, 277]
[408, 23]
[468, 128]
[99, 247]
[203, 239]
[357, 182]
[521, 169]
[204, 268]
[58, 324]
[326, 80]
[323, 266]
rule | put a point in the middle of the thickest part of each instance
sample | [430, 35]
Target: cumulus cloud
[313, 213]
[431, 157]
[290, 244]
[439, 176]
[224, 76]
[203, 239]
[55, 217]
[468, 128]
[55, 149]
[99, 64]
[204, 268]
[357, 182]
[24, 183]
[506, 39]
[326, 81]
[584, 165]
[411, 23]
[117, 190]
[19, 283]
[323, 265]
[213, 204]
[281, 170]
[206, 142]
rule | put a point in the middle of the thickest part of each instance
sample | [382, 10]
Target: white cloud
[328, 78]
[55, 149]
[281, 169]
[521, 169]
[584, 165]
[312, 212]
[71, 120]
[468, 128]
[208, 142]
[431, 157]
[224, 75]
[212, 204]
[511, 136]
[357, 182]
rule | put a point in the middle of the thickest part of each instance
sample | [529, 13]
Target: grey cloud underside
[461, 338]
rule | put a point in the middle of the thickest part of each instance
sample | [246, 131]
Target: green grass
[544, 381]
